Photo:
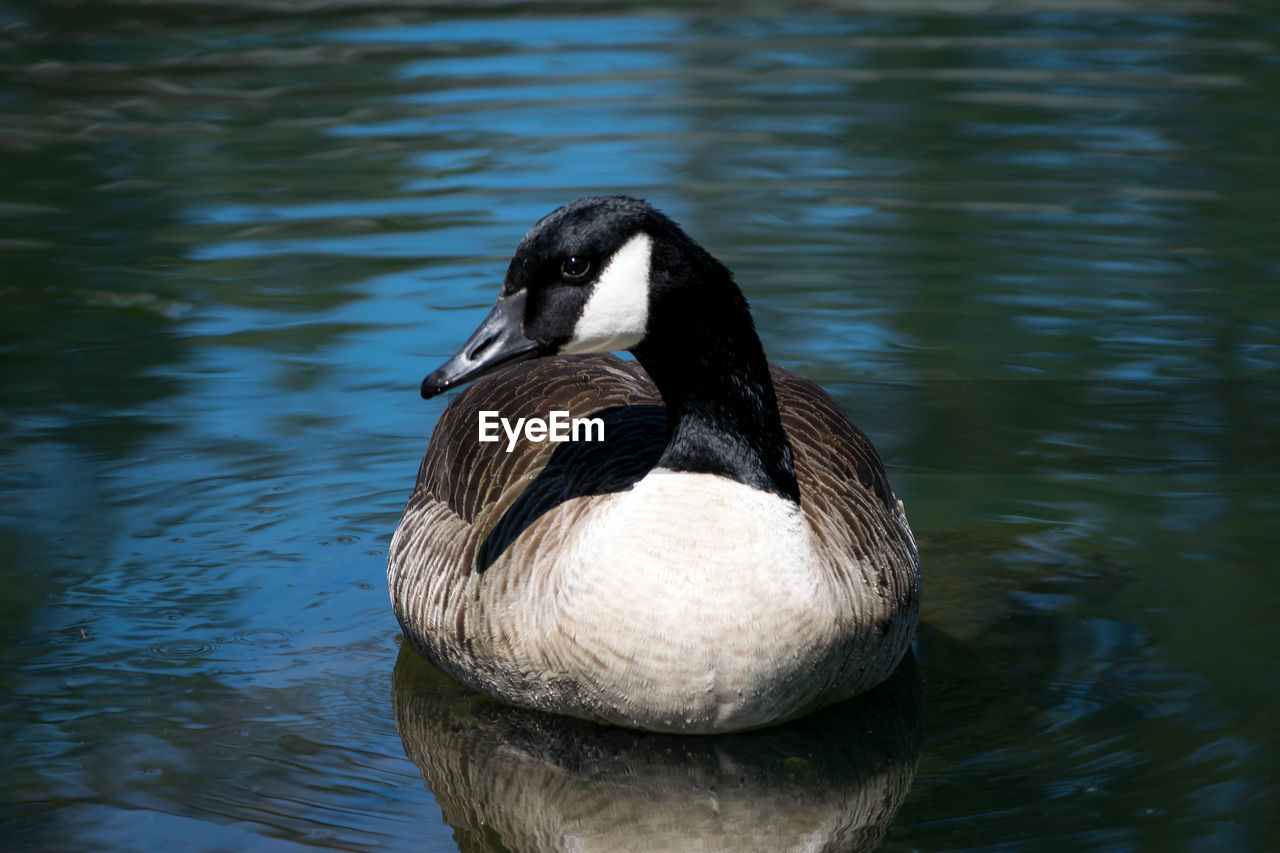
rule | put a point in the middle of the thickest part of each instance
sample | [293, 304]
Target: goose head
[583, 280]
[612, 273]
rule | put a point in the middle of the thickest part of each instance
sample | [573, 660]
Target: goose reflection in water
[509, 779]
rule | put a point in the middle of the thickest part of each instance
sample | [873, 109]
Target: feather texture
[495, 577]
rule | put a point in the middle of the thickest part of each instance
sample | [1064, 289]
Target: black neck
[714, 378]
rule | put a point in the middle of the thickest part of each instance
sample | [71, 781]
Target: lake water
[1031, 246]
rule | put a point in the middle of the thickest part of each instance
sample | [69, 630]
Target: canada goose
[730, 560]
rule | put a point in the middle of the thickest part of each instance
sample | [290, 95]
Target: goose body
[730, 555]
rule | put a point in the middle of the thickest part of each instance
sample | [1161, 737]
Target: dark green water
[1030, 246]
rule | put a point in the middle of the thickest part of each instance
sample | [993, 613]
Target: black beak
[496, 342]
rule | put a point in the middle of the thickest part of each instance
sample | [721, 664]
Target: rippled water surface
[1030, 246]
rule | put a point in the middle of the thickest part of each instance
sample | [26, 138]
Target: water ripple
[1029, 245]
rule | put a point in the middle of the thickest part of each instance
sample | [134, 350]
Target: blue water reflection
[1030, 248]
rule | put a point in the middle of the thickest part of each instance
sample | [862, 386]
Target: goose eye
[575, 267]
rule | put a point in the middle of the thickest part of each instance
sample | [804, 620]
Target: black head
[612, 273]
[580, 282]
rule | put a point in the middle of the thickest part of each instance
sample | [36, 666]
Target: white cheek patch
[617, 311]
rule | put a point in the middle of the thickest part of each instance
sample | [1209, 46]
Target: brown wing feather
[502, 493]
[859, 523]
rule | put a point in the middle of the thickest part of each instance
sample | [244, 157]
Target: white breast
[693, 591]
